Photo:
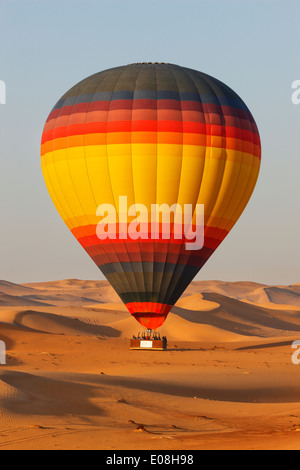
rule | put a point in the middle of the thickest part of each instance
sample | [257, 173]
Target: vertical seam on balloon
[191, 254]
[67, 160]
[44, 166]
[237, 208]
[240, 167]
[167, 254]
[93, 195]
[156, 147]
[129, 284]
[182, 247]
[88, 237]
[88, 84]
[54, 165]
[204, 115]
[135, 274]
[223, 150]
[109, 175]
[139, 242]
[186, 71]
[56, 202]
[238, 178]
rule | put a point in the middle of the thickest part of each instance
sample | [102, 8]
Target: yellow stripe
[94, 151]
[81, 179]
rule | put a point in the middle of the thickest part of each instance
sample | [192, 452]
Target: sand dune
[72, 289]
[15, 289]
[196, 302]
[54, 324]
[254, 292]
[204, 312]
[281, 295]
[13, 300]
[226, 380]
[242, 317]
[237, 290]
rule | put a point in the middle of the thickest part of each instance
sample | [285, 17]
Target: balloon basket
[149, 341]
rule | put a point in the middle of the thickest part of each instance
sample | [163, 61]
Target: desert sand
[227, 380]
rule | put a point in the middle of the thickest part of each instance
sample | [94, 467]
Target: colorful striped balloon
[157, 134]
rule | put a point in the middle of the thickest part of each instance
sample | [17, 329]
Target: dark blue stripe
[152, 95]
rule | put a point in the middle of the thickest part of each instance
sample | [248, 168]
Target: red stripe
[150, 126]
[87, 237]
[150, 321]
[148, 307]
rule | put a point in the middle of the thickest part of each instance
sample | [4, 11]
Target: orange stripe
[75, 127]
[148, 138]
[87, 234]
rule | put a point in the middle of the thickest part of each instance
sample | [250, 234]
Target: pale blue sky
[49, 45]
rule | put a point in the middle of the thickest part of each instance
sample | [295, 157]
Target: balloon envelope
[157, 134]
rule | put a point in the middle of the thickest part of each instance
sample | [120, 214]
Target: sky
[47, 46]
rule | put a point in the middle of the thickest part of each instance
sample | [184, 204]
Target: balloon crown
[150, 63]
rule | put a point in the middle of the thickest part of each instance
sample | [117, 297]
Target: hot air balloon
[155, 134]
